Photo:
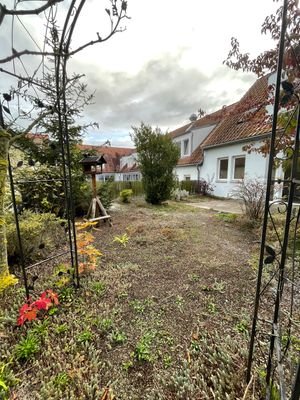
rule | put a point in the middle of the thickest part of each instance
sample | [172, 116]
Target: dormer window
[186, 147]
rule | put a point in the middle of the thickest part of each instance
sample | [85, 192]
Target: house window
[239, 167]
[186, 147]
[187, 177]
[223, 168]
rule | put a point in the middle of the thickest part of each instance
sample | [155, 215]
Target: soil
[158, 309]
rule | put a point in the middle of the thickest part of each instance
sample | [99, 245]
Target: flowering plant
[31, 310]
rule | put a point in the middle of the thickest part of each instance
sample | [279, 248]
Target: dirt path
[228, 205]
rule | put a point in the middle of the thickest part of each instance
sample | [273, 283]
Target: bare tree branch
[29, 128]
[4, 11]
[18, 54]
[100, 39]
[23, 78]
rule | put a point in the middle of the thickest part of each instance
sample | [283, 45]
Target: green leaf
[2, 384]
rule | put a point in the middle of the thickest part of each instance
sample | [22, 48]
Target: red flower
[27, 313]
[53, 296]
[43, 303]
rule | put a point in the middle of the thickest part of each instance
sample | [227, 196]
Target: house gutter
[199, 165]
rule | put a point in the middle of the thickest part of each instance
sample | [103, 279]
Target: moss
[4, 146]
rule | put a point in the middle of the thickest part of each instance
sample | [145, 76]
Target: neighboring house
[189, 138]
[129, 169]
[222, 157]
[116, 159]
[37, 138]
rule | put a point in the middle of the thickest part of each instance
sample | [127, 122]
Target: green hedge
[200, 186]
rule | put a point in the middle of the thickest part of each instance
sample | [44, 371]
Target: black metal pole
[296, 388]
[268, 189]
[64, 139]
[70, 191]
[280, 284]
[12, 188]
[16, 215]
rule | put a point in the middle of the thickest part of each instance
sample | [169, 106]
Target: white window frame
[233, 168]
[187, 148]
[187, 177]
[219, 169]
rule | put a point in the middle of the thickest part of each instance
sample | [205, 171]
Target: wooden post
[94, 184]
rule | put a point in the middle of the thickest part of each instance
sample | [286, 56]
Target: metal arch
[275, 295]
[65, 166]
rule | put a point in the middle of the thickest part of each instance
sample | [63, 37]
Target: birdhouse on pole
[93, 165]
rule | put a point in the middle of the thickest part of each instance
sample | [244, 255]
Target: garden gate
[274, 342]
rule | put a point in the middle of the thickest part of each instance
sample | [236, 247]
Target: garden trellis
[25, 101]
[274, 328]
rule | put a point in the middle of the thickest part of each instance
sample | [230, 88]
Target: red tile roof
[195, 158]
[112, 155]
[37, 138]
[246, 120]
[207, 120]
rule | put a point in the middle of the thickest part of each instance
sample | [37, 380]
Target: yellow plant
[123, 240]
[85, 248]
[6, 281]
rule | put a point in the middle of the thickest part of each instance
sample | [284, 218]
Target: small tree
[157, 157]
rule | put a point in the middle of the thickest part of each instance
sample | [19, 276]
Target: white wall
[180, 140]
[129, 160]
[255, 167]
[183, 171]
[198, 135]
[195, 136]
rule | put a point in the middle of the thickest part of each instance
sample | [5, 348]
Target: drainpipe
[199, 165]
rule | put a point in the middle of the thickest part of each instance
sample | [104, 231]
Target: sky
[163, 67]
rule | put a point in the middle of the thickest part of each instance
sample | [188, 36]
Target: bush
[105, 192]
[157, 157]
[40, 233]
[179, 194]
[135, 186]
[252, 194]
[41, 188]
[126, 195]
[200, 186]
[188, 186]
[82, 197]
[204, 187]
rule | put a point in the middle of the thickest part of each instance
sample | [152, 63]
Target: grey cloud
[161, 94]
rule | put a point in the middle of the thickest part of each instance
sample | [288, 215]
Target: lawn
[165, 315]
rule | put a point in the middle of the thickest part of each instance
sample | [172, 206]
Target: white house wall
[198, 135]
[255, 167]
[184, 172]
[195, 137]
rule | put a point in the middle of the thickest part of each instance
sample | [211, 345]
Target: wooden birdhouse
[92, 165]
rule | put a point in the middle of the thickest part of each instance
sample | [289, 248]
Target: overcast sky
[166, 65]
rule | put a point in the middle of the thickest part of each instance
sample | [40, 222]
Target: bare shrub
[204, 187]
[252, 193]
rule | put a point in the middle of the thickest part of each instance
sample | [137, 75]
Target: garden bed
[164, 316]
